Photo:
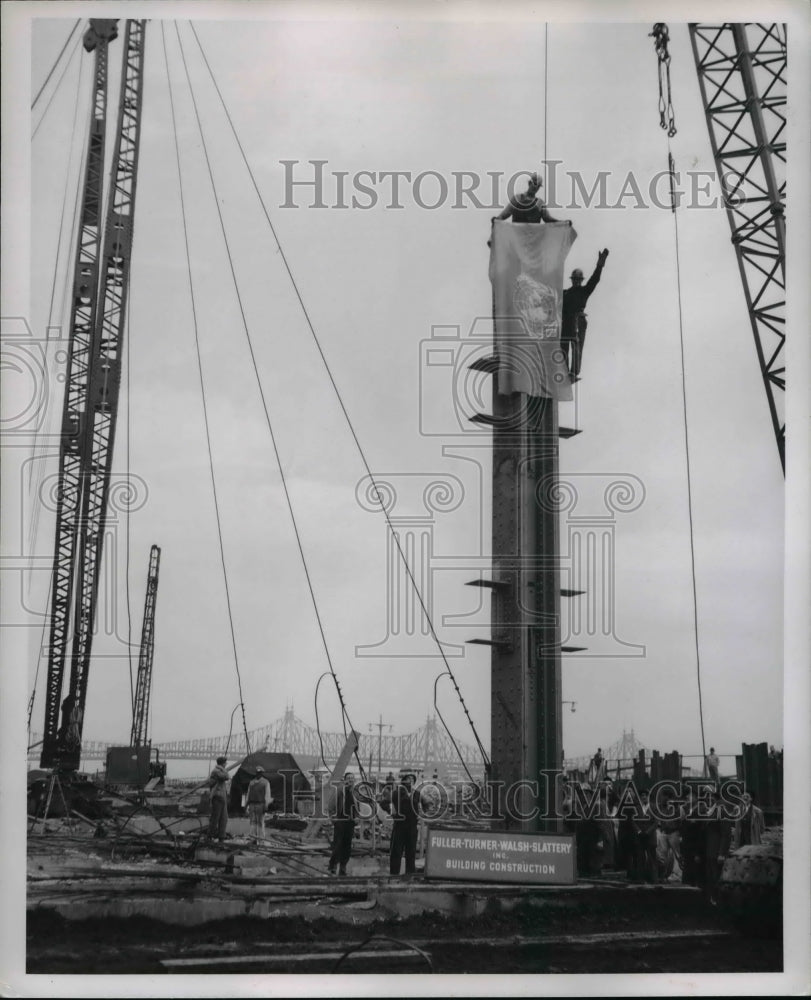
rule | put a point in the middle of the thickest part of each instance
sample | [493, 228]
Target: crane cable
[127, 517]
[361, 453]
[56, 62]
[344, 710]
[34, 495]
[203, 393]
[317, 723]
[55, 91]
[68, 277]
[667, 117]
[450, 734]
[660, 35]
[545, 87]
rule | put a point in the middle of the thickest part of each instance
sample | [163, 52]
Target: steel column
[525, 697]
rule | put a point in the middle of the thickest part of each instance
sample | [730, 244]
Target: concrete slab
[350, 901]
[213, 855]
[236, 880]
[145, 824]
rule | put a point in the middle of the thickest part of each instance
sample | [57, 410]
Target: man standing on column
[573, 334]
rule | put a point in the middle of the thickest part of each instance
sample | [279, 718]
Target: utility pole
[379, 726]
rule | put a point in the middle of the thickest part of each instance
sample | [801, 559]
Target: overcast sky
[414, 93]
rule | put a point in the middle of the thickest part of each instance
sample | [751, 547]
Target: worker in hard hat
[573, 332]
[257, 801]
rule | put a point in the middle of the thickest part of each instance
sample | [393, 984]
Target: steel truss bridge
[427, 749]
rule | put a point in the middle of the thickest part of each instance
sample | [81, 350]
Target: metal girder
[742, 74]
[74, 405]
[143, 687]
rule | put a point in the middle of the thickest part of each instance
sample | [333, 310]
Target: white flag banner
[526, 269]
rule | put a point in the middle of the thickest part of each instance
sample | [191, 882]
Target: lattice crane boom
[94, 437]
[143, 687]
[82, 321]
[742, 74]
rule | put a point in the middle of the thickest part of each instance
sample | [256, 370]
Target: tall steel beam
[525, 634]
[742, 77]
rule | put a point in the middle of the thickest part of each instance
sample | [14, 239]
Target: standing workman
[343, 825]
[718, 830]
[749, 829]
[597, 766]
[218, 787]
[573, 332]
[713, 764]
[404, 835]
[258, 800]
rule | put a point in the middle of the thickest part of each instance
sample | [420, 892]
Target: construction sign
[487, 856]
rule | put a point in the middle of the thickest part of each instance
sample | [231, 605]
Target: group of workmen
[400, 801]
[683, 838]
[257, 802]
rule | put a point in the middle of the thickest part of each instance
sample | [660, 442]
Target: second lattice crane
[133, 765]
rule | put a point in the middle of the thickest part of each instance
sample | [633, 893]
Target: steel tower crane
[140, 715]
[101, 284]
[742, 76]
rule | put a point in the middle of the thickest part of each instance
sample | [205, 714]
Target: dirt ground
[592, 940]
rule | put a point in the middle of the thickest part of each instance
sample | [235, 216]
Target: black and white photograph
[404, 568]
